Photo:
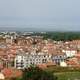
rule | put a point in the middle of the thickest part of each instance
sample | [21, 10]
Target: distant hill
[24, 29]
[35, 29]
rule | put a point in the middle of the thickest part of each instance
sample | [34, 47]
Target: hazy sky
[51, 13]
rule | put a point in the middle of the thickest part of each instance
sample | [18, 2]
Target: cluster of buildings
[23, 50]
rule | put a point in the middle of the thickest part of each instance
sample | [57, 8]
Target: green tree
[35, 73]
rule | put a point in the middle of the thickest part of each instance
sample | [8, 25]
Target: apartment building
[58, 58]
[24, 60]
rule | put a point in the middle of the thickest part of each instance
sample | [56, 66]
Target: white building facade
[25, 60]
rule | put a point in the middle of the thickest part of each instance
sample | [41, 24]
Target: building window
[44, 60]
[44, 56]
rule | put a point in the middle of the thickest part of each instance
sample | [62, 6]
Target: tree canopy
[35, 73]
[62, 36]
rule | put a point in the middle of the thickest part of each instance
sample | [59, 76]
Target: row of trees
[62, 36]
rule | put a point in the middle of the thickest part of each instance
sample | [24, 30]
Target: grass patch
[62, 69]
[68, 75]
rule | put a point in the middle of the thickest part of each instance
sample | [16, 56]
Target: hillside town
[20, 51]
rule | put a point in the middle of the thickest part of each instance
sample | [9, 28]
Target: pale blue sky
[51, 13]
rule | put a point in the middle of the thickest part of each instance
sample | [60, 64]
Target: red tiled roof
[10, 72]
[7, 72]
[71, 63]
[42, 66]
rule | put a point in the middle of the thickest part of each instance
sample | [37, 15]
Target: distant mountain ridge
[36, 29]
[25, 29]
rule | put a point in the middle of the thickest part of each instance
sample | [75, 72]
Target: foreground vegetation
[35, 73]
[65, 73]
[57, 69]
[68, 75]
[50, 73]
